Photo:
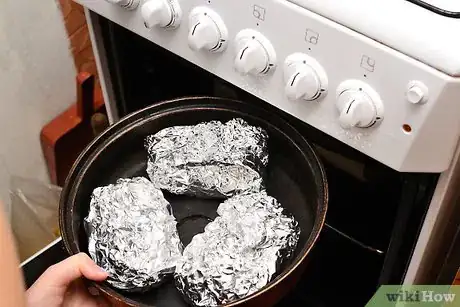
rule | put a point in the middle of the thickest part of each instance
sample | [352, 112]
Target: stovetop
[417, 28]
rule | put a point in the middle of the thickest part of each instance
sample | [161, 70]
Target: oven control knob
[417, 92]
[359, 105]
[161, 13]
[305, 78]
[254, 53]
[127, 4]
[207, 30]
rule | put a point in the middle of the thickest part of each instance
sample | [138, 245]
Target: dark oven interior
[375, 213]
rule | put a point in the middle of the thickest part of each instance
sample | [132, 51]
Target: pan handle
[369, 248]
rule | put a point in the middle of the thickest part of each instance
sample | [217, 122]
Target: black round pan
[295, 177]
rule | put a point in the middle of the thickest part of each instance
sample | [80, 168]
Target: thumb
[72, 268]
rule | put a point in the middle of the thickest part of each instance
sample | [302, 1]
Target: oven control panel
[377, 100]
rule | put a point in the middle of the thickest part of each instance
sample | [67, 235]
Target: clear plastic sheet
[239, 252]
[211, 159]
[132, 234]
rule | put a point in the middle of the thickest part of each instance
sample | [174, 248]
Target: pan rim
[85, 159]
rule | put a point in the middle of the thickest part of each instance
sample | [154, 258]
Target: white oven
[310, 58]
[374, 85]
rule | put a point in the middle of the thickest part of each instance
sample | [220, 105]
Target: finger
[72, 268]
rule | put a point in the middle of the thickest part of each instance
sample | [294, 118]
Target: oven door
[361, 245]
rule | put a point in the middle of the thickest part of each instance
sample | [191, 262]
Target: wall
[36, 83]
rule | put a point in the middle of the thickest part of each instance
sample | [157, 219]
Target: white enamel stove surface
[401, 112]
[399, 24]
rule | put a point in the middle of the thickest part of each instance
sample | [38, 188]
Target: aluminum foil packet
[132, 234]
[239, 252]
[211, 159]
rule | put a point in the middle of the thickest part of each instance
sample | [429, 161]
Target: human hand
[61, 284]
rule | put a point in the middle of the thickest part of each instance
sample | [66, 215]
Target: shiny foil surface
[239, 252]
[211, 159]
[132, 234]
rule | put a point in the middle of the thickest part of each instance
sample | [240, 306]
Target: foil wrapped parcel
[132, 234]
[211, 159]
[239, 252]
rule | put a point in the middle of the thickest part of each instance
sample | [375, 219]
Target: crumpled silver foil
[132, 234]
[211, 159]
[239, 252]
